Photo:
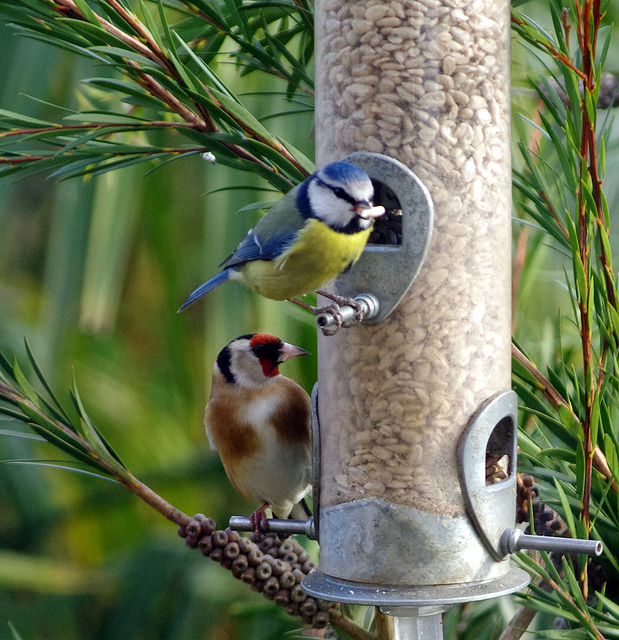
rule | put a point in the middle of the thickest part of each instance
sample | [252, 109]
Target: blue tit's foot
[360, 308]
[328, 318]
[341, 312]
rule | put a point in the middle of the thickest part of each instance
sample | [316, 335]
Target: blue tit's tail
[215, 281]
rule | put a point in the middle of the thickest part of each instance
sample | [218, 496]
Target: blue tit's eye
[340, 193]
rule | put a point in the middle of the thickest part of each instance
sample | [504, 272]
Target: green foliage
[78, 438]
[93, 270]
[569, 415]
[164, 79]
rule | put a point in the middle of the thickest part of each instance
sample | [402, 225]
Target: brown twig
[553, 51]
[348, 626]
[519, 623]
[61, 128]
[587, 26]
[518, 267]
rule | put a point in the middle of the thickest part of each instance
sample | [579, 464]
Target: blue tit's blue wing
[255, 246]
[271, 235]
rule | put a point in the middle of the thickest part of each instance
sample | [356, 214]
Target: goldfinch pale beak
[288, 351]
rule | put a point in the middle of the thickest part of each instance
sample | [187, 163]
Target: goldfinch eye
[261, 351]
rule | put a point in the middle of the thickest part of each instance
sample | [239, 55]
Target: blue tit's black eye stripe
[339, 192]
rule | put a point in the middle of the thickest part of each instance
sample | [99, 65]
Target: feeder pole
[425, 82]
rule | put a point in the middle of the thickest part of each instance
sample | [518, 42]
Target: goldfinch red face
[252, 359]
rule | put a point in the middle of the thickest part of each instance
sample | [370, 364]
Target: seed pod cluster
[272, 566]
[546, 520]
[425, 82]
[526, 492]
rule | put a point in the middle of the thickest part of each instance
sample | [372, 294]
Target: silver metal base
[320, 585]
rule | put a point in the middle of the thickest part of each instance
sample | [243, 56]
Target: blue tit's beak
[288, 351]
[366, 210]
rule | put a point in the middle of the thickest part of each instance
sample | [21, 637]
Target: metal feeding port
[395, 252]
[487, 455]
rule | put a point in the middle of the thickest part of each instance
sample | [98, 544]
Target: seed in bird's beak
[367, 211]
[288, 351]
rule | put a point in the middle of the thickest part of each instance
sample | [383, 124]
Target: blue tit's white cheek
[326, 206]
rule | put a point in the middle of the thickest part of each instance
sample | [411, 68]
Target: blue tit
[314, 233]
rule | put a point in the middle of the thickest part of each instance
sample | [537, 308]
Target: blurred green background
[92, 272]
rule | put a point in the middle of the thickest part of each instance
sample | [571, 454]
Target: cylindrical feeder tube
[425, 82]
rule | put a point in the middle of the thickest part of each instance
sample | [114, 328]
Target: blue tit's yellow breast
[318, 255]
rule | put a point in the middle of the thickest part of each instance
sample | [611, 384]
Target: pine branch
[174, 84]
[23, 403]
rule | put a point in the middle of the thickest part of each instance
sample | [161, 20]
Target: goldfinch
[259, 422]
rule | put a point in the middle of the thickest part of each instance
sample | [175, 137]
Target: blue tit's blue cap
[344, 172]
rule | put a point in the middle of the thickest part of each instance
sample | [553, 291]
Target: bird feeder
[426, 83]
[414, 418]
[414, 407]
